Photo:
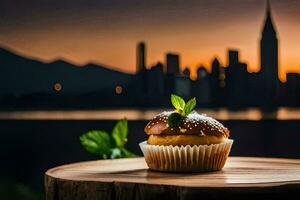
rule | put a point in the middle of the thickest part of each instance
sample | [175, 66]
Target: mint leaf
[97, 142]
[127, 154]
[115, 153]
[119, 133]
[121, 153]
[189, 107]
[108, 145]
[174, 119]
[177, 102]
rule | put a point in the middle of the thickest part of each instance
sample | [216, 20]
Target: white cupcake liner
[186, 158]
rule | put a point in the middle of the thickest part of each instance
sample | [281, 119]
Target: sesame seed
[182, 130]
[202, 133]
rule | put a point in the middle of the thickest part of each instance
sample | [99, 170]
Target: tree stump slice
[242, 177]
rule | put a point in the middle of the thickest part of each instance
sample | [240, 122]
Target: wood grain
[130, 179]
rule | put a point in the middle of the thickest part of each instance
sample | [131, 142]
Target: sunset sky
[106, 31]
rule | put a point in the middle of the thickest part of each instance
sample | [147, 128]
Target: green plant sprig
[182, 109]
[106, 145]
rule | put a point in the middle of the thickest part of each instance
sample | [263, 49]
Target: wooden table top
[238, 172]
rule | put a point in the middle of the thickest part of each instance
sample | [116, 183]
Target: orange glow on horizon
[187, 59]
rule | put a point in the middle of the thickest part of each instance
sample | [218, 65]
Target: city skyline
[62, 84]
[198, 41]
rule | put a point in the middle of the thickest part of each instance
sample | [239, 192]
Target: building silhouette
[215, 82]
[201, 87]
[156, 81]
[173, 66]
[142, 77]
[186, 72]
[236, 81]
[140, 57]
[233, 57]
[269, 61]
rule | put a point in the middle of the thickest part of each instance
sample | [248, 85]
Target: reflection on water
[136, 114]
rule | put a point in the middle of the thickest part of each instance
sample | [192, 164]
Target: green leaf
[177, 102]
[97, 142]
[126, 153]
[189, 107]
[174, 119]
[119, 133]
[108, 146]
[115, 153]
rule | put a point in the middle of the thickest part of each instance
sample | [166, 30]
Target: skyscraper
[201, 87]
[233, 57]
[141, 71]
[156, 82]
[269, 60]
[236, 80]
[173, 64]
[140, 57]
[215, 82]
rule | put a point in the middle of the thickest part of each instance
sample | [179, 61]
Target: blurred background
[67, 67]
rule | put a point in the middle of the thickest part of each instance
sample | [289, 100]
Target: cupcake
[185, 141]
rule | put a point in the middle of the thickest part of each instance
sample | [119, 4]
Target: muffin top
[192, 124]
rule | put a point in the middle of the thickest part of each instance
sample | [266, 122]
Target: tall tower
[269, 60]
[140, 57]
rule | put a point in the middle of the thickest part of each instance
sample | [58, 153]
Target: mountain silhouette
[22, 76]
